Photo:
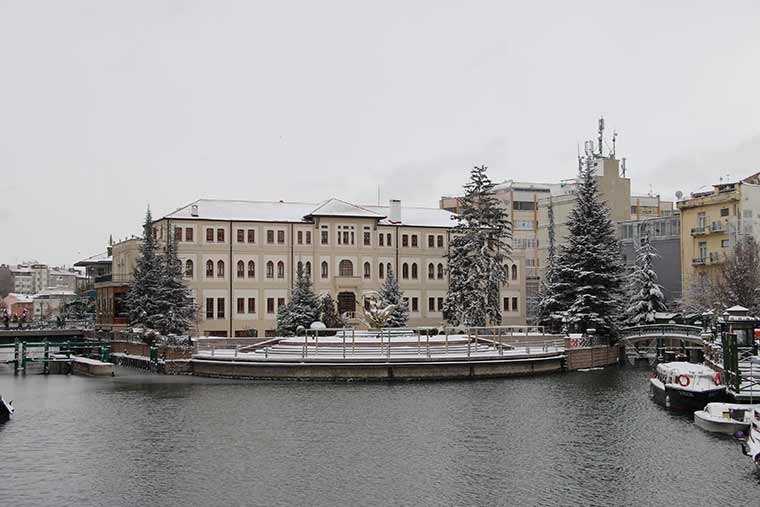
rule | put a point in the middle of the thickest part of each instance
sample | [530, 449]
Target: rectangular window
[381, 239]
[324, 237]
[440, 241]
[251, 305]
[240, 305]
[219, 308]
[431, 304]
[633, 210]
[209, 308]
[524, 205]
[270, 305]
[405, 240]
[388, 238]
[506, 304]
[366, 238]
[240, 236]
[440, 304]
[178, 234]
[514, 304]
[415, 305]
[280, 302]
[251, 236]
[210, 235]
[724, 243]
[270, 237]
[220, 235]
[299, 237]
[280, 237]
[414, 241]
[724, 212]
[188, 233]
[431, 241]
[308, 237]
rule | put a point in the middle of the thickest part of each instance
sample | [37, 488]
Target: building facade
[665, 236]
[240, 259]
[711, 223]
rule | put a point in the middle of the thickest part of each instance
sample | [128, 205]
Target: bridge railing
[655, 330]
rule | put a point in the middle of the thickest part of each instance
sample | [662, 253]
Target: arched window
[367, 270]
[241, 269]
[388, 270]
[209, 269]
[280, 269]
[514, 271]
[308, 269]
[299, 267]
[414, 270]
[220, 269]
[251, 269]
[440, 271]
[431, 270]
[381, 270]
[324, 269]
[405, 271]
[270, 269]
[346, 268]
[189, 268]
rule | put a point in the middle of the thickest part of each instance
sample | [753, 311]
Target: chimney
[395, 213]
[194, 210]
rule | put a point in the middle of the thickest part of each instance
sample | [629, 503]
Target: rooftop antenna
[601, 135]
[622, 166]
[614, 139]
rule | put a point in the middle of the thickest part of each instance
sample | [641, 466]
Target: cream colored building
[614, 190]
[712, 221]
[240, 259]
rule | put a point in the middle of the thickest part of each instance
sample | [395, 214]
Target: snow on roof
[101, 258]
[737, 308]
[297, 212]
[337, 208]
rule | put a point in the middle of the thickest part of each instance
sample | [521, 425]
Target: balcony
[699, 231]
[715, 258]
[718, 227]
[699, 261]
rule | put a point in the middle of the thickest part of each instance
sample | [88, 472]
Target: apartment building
[614, 191]
[665, 236]
[712, 221]
[645, 206]
[240, 259]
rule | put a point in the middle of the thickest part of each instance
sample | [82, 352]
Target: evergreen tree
[176, 308]
[589, 267]
[390, 294]
[549, 306]
[302, 309]
[477, 261]
[645, 294]
[143, 301]
[328, 312]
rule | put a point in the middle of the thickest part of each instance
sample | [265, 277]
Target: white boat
[6, 410]
[680, 385]
[726, 418]
[751, 442]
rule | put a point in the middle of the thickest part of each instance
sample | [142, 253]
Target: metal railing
[655, 330]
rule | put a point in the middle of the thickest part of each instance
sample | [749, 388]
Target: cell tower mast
[601, 136]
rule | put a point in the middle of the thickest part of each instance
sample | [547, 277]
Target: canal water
[583, 438]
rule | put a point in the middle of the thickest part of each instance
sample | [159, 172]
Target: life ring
[683, 380]
[716, 378]
[654, 374]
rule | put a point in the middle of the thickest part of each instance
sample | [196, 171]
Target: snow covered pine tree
[549, 306]
[390, 294]
[588, 267]
[143, 301]
[480, 249]
[646, 296]
[302, 309]
[176, 307]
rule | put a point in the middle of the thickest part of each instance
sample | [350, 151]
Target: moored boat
[751, 440]
[726, 418]
[683, 386]
[6, 410]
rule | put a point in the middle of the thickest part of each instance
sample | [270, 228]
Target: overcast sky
[107, 106]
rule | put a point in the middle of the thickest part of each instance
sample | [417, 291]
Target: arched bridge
[637, 334]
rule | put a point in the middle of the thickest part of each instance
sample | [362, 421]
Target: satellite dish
[679, 195]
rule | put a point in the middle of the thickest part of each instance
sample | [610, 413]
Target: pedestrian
[23, 319]
[6, 318]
